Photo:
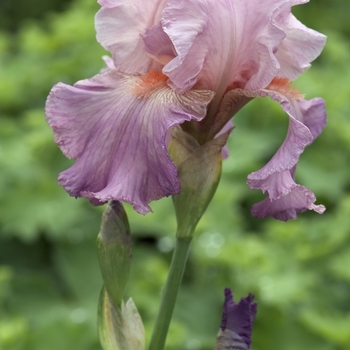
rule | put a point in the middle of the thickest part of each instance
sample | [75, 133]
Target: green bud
[120, 328]
[199, 168]
[114, 250]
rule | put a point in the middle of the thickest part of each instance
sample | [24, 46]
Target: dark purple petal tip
[239, 318]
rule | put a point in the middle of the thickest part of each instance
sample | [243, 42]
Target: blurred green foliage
[49, 277]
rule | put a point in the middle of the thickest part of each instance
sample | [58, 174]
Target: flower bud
[114, 250]
[120, 328]
[237, 323]
[199, 168]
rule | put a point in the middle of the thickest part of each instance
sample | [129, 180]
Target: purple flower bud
[237, 323]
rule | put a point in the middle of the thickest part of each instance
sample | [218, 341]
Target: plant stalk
[167, 304]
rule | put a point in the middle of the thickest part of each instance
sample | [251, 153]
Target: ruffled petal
[115, 125]
[119, 25]
[297, 200]
[306, 121]
[183, 21]
[238, 319]
[300, 46]
[222, 41]
[158, 45]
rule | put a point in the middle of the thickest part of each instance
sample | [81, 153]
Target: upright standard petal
[158, 45]
[119, 25]
[237, 323]
[221, 42]
[224, 43]
[300, 46]
[115, 125]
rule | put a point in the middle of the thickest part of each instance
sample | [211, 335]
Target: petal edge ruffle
[117, 137]
[306, 121]
[119, 25]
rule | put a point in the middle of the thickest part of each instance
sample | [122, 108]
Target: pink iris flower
[188, 62]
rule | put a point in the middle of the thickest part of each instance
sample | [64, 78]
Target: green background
[299, 271]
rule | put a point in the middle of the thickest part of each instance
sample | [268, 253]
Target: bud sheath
[199, 168]
[114, 250]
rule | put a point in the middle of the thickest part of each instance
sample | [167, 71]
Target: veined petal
[119, 25]
[237, 322]
[223, 41]
[183, 22]
[300, 46]
[287, 207]
[115, 125]
[158, 45]
[306, 121]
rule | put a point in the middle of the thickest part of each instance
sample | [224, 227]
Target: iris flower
[192, 63]
[237, 323]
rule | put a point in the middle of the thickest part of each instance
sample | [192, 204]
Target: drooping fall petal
[306, 121]
[115, 125]
[286, 207]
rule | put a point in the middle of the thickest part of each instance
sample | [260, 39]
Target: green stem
[167, 304]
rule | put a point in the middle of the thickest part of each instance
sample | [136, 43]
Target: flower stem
[167, 304]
